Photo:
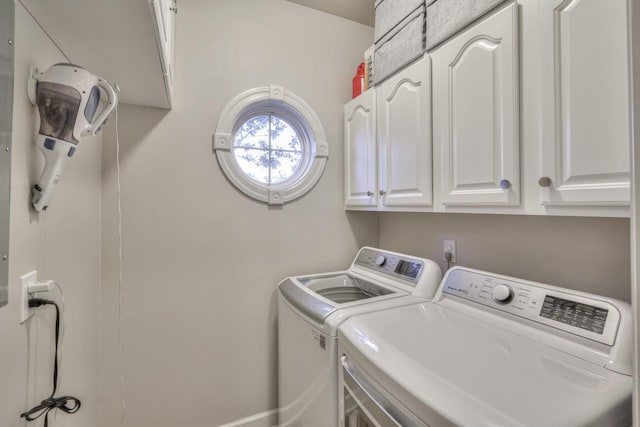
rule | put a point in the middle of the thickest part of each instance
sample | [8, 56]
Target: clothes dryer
[489, 351]
[310, 309]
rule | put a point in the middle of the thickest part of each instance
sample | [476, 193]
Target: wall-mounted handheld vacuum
[67, 98]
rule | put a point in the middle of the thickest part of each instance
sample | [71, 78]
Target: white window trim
[223, 138]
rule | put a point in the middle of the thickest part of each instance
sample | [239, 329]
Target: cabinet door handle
[505, 184]
[369, 193]
[545, 181]
[382, 192]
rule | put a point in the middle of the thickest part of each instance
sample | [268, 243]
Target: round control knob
[502, 294]
[380, 260]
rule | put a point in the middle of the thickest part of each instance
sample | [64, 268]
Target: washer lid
[320, 295]
[443, 364]
[343, 288]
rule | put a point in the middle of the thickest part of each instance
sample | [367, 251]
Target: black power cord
[448, 256]
[68, 404]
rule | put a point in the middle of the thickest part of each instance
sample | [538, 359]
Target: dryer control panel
[571, 311]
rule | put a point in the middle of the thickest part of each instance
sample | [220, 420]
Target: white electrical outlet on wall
[25, 311]
[449, 246]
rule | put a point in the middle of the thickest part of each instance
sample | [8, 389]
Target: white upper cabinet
[476, 113]
[585, 129]
[164, 17]
[387, 132]
[404, 138]
[123, 41]
[360, 151]
[529, 111]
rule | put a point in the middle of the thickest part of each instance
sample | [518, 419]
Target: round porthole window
[271, 145]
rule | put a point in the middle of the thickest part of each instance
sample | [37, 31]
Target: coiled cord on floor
[68, 404]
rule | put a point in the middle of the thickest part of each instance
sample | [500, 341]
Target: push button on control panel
[485, 292]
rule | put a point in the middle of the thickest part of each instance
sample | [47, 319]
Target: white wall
[62, 244]
[201, 262]
[588, 254]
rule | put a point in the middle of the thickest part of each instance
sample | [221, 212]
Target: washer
[489, 350]
[310, 309]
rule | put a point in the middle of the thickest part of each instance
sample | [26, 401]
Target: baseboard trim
[263, 419]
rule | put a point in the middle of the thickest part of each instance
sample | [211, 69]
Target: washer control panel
[390, 263]
[575, 312]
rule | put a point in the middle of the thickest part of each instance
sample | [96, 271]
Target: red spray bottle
[358, 80]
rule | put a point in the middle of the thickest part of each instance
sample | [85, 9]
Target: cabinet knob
[382, 192]
[545, 181]
[369, 193]
[505, 184]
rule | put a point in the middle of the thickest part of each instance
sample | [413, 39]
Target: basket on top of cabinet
[399, 34]
[405, 29]
[446, 17]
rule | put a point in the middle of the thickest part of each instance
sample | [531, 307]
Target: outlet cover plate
[25, 311]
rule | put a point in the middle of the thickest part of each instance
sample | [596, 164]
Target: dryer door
[357, 418]
[360, 410]
[367, 405]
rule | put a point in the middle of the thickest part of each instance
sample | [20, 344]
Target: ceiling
[361, 11]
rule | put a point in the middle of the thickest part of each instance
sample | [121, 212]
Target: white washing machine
[310, 309]
[489, 350]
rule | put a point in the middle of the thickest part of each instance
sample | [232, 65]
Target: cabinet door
[360, 151]
[164, 19]
[404, 124]
[476, 119]
[169, 10]
[585, 129]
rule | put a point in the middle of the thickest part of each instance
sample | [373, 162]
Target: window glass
[268, 149]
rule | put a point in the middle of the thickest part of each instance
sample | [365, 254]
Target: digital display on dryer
[572, 313]
[409, 269]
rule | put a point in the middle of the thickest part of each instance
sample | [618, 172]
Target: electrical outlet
[25, 311]
[449, 246]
